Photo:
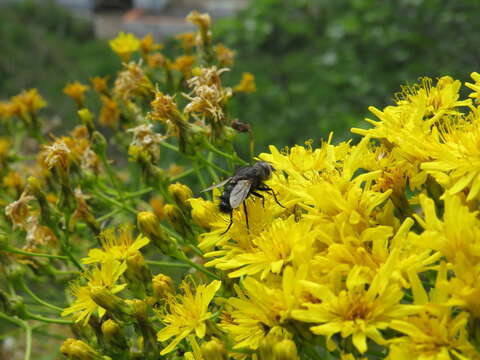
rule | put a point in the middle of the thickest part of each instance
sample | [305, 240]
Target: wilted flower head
[58, 155]
[225, 55]
[147, 140]
[208, 96]
[131, 82]
[203, 21]
[17, 211]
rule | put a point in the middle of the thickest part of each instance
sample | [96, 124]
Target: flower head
[187, 313]
[124, 45]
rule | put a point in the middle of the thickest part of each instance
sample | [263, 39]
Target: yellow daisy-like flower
[124, 45]
[187, 313]
[116, 247]
[270, 251]
[27, 103]
[475, 87]
[76, 91]
[247, 84]
[104, 277]
[356, 311]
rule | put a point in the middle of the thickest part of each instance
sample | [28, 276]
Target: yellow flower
[434, 332]
[184, 64]
[124, 45]
[475, 87]
[247, 84]
[109, 113]
[100, 84]
[268, 252]
[187, 314]
[225, 55]
[115, 246]
[147, 44]
[355, 310]
[104, 277]
[258, 308]
[187, 40]
[76, 91]
[27, 104]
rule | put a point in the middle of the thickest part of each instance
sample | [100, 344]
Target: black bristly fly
[248, 180]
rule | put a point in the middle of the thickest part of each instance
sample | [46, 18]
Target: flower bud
[214, 350]
[149, 225]
[114, 336]
[138, 274]
[162, 286]
[78, 350]
[176, 219]
[112, 303]
[285, 350]
[275, 336]
[99, 143]
[180, 193]
[144, 327]
[87, 118]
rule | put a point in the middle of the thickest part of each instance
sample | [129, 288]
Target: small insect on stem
[247, 180]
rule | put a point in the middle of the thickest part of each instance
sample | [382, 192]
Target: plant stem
[28, 253]
[183, 174]
[37, 299]
[48, 320]
[28, 332]
[167, 264]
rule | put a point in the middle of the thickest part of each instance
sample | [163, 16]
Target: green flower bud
[181, 193]
[138, 274]
[114, 336]
[285, 350]
[78, 350]
[149, 225]
[99, 143]
[112, 303]
[214, 350]
[163, 286]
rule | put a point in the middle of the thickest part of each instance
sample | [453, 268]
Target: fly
[248, 180]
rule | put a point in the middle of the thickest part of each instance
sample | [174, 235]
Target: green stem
[233, 157]
[213, 174]
[65, 242]
[183, 174]
[170, 146]
[48, 320]
[167, 264]
[28, 333]
[108, 215]
[199, 175]
[28, 253]
[115, 202]
[138, 193]
[199, 267]
[37, 299]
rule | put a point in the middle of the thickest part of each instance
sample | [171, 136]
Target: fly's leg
[258, 195]
[270, 191]
[246, 214]
[229, 225]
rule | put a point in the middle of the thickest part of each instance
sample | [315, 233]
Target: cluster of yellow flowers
[363, 250]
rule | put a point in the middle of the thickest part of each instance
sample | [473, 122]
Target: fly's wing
[214, 186]
[239, 192]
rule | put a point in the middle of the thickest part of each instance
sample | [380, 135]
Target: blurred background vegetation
[318, 63]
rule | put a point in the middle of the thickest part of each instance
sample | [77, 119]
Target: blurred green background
[318, 63]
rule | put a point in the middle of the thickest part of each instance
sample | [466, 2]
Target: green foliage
[320, 63]
[41, 42]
